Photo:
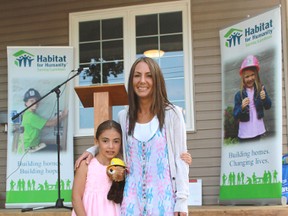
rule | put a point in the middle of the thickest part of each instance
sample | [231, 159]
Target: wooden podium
[102, 98]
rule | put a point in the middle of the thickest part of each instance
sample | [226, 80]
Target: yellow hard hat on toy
[116, 162]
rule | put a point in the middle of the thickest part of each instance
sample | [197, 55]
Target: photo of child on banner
[249, 117]
[251, 101]
[32, 124]
[249, 113]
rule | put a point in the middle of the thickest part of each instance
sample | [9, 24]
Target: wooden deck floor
[239, 211]
[193, 211]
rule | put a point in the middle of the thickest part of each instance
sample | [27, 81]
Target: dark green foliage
[230, 126]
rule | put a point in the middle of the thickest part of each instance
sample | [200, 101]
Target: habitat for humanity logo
[252, 35]
[233, 37]
[23, 59]
[42, 62]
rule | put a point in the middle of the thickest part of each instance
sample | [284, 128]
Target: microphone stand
[59, 201]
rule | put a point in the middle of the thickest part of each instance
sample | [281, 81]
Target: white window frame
[129, 34]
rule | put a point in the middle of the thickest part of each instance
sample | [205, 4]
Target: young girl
[91, 183]
[251, 101]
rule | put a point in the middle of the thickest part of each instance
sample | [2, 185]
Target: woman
[154, 136]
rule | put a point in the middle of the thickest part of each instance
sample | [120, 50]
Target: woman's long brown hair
[160, 99]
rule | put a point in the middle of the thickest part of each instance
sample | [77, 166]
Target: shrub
[230, 126]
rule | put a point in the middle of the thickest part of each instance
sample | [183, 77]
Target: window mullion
[176, 63]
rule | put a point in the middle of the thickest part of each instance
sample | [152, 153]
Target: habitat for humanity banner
[251, 167]
[35, 75]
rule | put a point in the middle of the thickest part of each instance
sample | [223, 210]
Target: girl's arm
[53, 122]
[237, 111]
[78, 189]
[267, 101]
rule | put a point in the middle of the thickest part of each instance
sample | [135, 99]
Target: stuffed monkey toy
[116, 172]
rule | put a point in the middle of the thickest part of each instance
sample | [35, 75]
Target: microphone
[80, 70]
[87, 70]
[92, 65]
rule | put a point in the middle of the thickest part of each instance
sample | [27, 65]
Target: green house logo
[233, 37]
[23, 59]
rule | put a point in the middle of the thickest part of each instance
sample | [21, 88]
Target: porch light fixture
[154, 53]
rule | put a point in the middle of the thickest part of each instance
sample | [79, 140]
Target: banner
[251, 168]
[34, 78]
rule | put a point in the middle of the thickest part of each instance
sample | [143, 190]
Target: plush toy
[116, 172]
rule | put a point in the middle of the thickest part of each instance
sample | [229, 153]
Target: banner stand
[59, 202]
[33, 174]
[251, 169]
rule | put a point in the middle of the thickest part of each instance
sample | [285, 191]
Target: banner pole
[59, 202]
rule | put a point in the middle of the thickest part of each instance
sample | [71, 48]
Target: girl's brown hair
[258, 83]
[109, 124]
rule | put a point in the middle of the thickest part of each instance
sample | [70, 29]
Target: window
[101, 50]
[108, 42]
[164, 32]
